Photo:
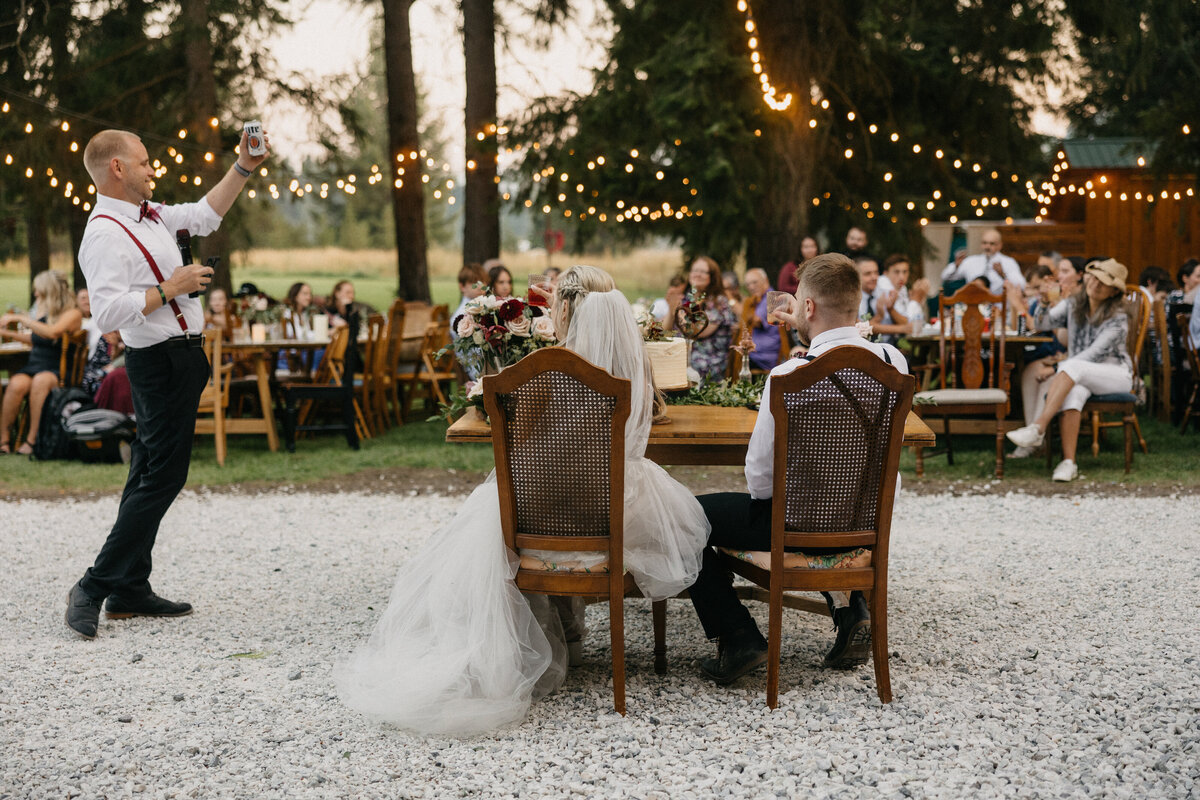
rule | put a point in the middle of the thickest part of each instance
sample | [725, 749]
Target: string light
[769, 92]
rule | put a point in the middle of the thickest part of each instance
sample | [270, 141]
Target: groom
[828, 298]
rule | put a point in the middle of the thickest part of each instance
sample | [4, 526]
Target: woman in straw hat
[1097, 358]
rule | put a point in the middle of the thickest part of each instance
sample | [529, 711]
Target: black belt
[187, 340]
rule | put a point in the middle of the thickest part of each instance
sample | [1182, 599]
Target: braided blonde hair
[573, 285]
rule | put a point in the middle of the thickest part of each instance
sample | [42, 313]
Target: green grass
[1174, 459]
[414, 445]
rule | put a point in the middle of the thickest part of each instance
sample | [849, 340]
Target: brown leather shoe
[744, 652]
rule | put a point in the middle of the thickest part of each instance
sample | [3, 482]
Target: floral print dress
[710, 355]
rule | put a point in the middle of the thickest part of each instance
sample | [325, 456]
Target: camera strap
[153, 268]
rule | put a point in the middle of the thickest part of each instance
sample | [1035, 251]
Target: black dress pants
[166, 381]
[738, 522]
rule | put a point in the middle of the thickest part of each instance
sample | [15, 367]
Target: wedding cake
[668, 362]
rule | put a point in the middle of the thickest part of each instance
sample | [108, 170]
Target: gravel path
[1042, 648]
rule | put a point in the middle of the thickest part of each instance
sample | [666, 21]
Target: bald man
[140, 286]
[990, 265]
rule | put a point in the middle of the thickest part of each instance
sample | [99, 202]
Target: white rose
[466, 326]
[477, 337]
[519, 326]
[543, 328]
[491, 302]
[474, 389]
[261, 304]
[864, 329]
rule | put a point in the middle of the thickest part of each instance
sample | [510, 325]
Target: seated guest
[552, 274]
[218, 314]
[471, 280]
[766, 337]
[500, 282]
[341, 304]
[298, 308]
[1040, 359]
[788, 276]
[1097, 360]
[710, 346]
[39, 376]
[1070, 276]
[104, 377]
[899, 312]
[83, 301]
[868, 284]
[1157, 281]
[828, 304]
[661, 307]
[732, 290]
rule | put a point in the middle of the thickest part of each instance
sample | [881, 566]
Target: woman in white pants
[1097, 358]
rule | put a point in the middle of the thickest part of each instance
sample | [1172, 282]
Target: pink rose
[543, 329]
[466, 326]
[519, 326]
[864, 329]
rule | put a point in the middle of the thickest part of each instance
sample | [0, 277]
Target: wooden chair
[367, 382]
[72, 359]
[1191, 408]
[1122, 403]
[431, 371]
[393, 403]
[839, 425]
[333, 383]
[979, 387]
[214, 400]
[558, 431]
[1160, 380]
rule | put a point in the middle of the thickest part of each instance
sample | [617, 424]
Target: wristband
[240, 170]
[161, 293]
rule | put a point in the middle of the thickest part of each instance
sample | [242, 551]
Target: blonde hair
[102, 149]
[56, 293]
[574, 285]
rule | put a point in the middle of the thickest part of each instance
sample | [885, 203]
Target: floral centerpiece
[258, 308]
[494, 334]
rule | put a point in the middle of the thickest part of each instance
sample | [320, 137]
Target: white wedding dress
[459, 650]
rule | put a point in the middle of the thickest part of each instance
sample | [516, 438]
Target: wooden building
[1101, 206]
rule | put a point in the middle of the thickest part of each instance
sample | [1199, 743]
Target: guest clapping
[39, 376]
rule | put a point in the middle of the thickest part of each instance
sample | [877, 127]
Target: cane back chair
[839, 425]
[558, 431]
[1191, 406]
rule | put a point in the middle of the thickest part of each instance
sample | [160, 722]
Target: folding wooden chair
[214, 400]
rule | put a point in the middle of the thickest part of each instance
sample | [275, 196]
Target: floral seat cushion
[541, 564]
[860, 557]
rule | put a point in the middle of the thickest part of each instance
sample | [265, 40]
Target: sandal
[5, 449]
[21, 451]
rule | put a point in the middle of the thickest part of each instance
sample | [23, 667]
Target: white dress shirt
[865, 307]
[910, 309]
[978, 265]
[760, 455]
[118, 275]
[1194, 326]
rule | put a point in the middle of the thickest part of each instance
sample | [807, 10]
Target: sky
[332, 36]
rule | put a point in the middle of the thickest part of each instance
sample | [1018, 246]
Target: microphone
[183, 240]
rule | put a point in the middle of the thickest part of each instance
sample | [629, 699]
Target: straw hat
[1110, 272]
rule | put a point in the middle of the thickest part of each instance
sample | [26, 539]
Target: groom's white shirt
[760, 456]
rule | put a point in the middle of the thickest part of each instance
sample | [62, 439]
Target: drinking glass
[535, 299]
[778, 301]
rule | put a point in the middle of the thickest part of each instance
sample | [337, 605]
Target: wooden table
[13, 356]
[264, 355]
[695, 434]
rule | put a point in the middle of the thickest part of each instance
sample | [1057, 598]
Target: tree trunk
[202, 105]
[481, 213]
[76, 223]
[37, 231]
[408, 199]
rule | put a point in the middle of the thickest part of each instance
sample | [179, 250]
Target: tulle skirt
[460, 651]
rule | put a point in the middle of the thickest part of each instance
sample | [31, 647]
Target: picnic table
[263, 355]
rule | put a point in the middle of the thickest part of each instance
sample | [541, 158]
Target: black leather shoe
[743, 653]
[853, 645]
[83, 613]
[148, 605]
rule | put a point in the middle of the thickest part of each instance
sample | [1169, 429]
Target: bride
[459, 650]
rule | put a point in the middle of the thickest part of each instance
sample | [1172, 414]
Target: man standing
[139, 285]
[765, 336]
[828, 303]
[856, 244]
[990, 265]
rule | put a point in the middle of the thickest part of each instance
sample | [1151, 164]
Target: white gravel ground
[1042, 648]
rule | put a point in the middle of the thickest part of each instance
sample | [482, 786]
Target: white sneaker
[1066, 471]
[1022, 452]
[1029, 436]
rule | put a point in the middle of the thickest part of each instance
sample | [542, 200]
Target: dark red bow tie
[147, 211]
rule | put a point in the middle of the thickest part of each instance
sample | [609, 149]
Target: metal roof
[1107, 153]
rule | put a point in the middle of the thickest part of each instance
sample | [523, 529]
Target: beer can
[256, 144]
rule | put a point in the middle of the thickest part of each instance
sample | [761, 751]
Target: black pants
[166, 381]
[738, 522]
